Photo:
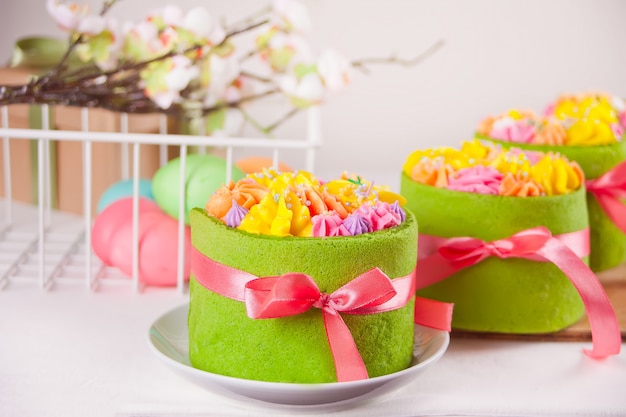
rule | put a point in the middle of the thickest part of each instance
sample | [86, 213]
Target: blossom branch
[363, 63]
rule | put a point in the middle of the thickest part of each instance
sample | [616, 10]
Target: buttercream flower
[591, 118]
[556, 175]
[431, 172]
[380, 215]
[478, 179]
[356, 224]
[513, 160]
[519, 185]
[246, 193]
[235, 215]
[513, 130]
[551, 133]
[590, 132]
[485, 126]
[328, 224]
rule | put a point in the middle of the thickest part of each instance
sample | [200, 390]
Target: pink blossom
[67, 16]
[293, 15]
[335, 70]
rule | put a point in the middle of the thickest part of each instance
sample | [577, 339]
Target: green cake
[587, 128]
[496, 295]
[224, 340]
[608, 243]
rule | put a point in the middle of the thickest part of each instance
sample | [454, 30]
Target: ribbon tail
[605, 331]
[614, 209]
[348, 362]
[434, 314]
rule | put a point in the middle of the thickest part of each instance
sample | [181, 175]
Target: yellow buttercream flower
[556, 175]
[259, 218]
[281, 224]
[301, 218]
[590, 132]
[589, 118]
[506, 162]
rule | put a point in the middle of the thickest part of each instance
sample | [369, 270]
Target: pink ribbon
[608, 190]
[294, 293]
[536, 244]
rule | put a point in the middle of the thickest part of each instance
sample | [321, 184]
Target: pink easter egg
[159, 252]
[107, 222]
[158, 242]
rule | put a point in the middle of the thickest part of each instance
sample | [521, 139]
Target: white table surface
[71, 352]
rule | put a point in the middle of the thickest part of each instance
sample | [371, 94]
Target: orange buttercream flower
[551, 133]
[431, 172]
[484, 127]
[519, 185]
[246, 193]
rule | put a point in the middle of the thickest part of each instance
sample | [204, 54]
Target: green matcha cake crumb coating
[608, 243]
[223, 340]
[501, 295]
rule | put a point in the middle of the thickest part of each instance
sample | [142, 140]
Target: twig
[361, 64]
[283, 119]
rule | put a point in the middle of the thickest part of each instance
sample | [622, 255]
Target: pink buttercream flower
[512, 130]
[477, 179]
[618, 130]
[381, 216]
[328, 224]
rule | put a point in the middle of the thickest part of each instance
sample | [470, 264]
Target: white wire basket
[44, 248]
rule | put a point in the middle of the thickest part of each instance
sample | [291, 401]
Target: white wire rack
[45, 248]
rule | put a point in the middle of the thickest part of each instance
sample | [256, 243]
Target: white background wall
[498, 54]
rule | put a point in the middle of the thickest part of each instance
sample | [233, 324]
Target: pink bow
[608, 190]
[536, 244]
[294, 293]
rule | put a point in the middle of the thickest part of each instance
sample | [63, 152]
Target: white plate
[168, 339]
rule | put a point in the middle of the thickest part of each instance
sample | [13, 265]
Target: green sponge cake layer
[501, 295]
[223, 340]
[608, 243]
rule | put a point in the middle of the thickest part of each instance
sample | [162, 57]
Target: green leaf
[40, 52]
[279, 58]
[301, 70]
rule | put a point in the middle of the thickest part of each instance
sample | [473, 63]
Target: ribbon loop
[608, 190]
[466, 251]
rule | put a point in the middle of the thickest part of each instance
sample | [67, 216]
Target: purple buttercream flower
[356, 224]
[235, 215]
[395, 208]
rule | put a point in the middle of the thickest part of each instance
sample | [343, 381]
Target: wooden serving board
[614, 282]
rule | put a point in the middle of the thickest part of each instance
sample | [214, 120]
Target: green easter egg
[204, 174]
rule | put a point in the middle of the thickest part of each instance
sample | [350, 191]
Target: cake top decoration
[587, 119]
[298, 204]
[486, 168]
